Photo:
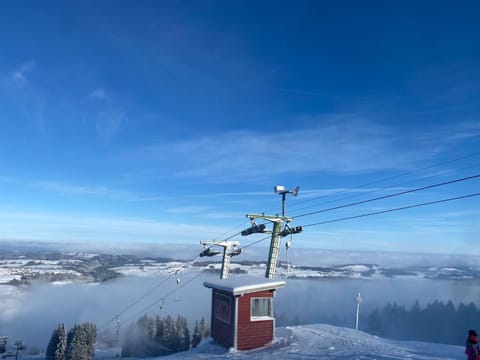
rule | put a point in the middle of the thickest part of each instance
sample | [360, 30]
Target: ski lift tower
[229, 249]
[277, 231]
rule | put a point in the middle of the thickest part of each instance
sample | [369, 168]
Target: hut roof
[244, 284]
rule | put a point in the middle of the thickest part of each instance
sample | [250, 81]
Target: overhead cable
[162, 298]
[395, 209]
[390, 195]
[294, 206]
[386, 188]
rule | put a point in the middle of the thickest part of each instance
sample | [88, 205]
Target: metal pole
[287, 246]
[283, 204]
[356, 318]
[358, 299]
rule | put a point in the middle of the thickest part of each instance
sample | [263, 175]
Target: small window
[261, 308]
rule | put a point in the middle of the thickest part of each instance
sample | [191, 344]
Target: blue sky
[169, 121]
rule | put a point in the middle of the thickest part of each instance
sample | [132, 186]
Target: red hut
[242, 312]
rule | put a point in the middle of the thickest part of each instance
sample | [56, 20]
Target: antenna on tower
[280, 189]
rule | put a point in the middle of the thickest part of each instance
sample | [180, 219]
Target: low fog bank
[33, 314]
[311, 301]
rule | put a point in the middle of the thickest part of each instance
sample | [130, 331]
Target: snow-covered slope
[321, 342]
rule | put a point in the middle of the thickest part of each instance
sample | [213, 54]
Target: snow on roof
[244, 285]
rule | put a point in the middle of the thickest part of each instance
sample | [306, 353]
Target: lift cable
[147, 293]
[163, 297]
[136, 301]
[256, 242]
[233, 229]
[394, 209]
[386, 179]
[389, 196]
[386, 188]
[160, 284]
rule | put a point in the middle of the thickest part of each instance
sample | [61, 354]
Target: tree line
[156, 336]
[77, 344]
[437, 322]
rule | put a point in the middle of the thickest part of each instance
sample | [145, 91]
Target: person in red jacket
[471, 350]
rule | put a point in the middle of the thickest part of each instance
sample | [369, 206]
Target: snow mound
[321, 342]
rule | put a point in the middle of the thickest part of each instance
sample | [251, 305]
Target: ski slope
[322, 342]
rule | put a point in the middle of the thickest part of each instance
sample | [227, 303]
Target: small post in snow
[358, 300]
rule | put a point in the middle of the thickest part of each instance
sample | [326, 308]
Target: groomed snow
[322, 342]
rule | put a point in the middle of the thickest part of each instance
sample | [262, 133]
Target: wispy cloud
[19, 77]
[341, 144]
[99, 94]
[21, 89]
[108, 124]
[69, 189]
[62, 227]
[467, 131]
[76, 190]
[338, 191]
[204, 212]
[448, 88]
[6, 179]
[188, 209]
[472, 214]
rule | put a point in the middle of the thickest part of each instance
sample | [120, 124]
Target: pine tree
[159, 325]
[60, 351]
[74, 350]
[81, 342]
[186, 339]
[90, 331]
[197, 335]
[182, 338]
[200, 332]
[52, 345]
[169, 333]
[204, 330]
